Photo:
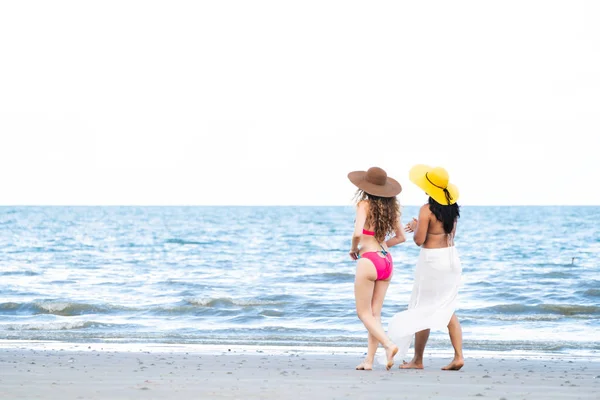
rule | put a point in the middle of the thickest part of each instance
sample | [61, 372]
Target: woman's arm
[359, 224]
[399, 236]
[422, 225]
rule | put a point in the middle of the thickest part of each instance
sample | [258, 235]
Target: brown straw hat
[376, 182]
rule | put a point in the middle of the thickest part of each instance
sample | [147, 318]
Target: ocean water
[282, 276]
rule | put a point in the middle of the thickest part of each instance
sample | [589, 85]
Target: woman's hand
[354, 254]
[411, 226]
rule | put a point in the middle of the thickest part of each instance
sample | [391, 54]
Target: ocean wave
[55, 326]
[10, 306]
[592, 293]
[185, 242]
[228, 302]
[485, 319]
[591, 283]
[62, 308]
[190, 306]
[530, 345]
[333, 277]
[63, 282]
[561, 309]
[188, 284]
[38, 249]
[483, 284]
[336, 275]
[272, 313]
[19, 273]
[552, 275]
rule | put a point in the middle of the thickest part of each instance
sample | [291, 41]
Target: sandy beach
[91, 372]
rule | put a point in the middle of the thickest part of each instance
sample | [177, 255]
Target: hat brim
[391, 188]
[417, 176]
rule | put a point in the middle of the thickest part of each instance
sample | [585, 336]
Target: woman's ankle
[417, 360]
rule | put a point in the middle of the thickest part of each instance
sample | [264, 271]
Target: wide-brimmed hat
[376, 182]
[435, 182]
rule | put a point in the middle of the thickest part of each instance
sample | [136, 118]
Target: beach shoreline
[219, 349]
[46, 370]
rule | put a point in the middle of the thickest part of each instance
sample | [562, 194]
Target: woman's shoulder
[424, 211]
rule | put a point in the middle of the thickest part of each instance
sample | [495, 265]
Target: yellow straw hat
[434, 181]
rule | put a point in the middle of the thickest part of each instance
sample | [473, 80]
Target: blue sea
[281, 276]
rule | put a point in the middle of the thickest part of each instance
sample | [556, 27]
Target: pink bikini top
[371, 233]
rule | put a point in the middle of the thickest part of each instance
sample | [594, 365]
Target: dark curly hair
[383, 215]
[447, 215]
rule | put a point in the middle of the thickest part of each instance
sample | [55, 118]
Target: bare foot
[390, 352]
[455, 365]
[412, 365]
[365, 366]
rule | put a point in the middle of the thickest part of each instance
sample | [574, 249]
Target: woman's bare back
[436, 237]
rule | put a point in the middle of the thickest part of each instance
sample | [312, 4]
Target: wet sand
[93, 373]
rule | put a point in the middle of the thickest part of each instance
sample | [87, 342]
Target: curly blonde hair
[383, 215]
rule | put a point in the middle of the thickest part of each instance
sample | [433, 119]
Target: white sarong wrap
[433, 301]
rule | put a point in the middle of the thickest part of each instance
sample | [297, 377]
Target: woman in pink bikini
[377, 217]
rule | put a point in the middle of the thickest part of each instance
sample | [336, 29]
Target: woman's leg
[455, 332]
[379, 291]
[364, 287]
[420, 342]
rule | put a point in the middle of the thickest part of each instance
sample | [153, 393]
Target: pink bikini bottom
[383, 265]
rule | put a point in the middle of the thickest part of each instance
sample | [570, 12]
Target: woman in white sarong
[437, 274]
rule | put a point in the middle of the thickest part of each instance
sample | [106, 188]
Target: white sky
[274, 102]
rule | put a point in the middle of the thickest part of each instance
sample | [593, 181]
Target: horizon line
[279, 205]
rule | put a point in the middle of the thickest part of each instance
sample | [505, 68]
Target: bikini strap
[383, 251]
